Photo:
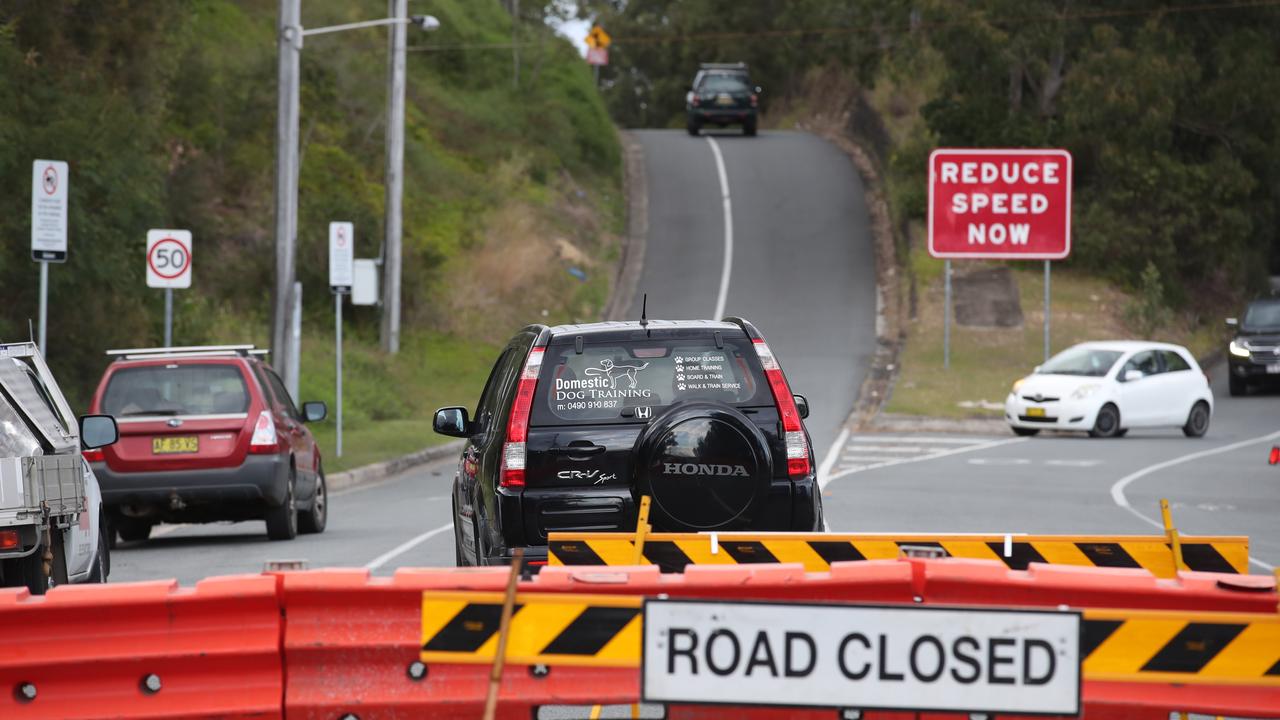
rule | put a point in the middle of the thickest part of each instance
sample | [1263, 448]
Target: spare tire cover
[705, 465]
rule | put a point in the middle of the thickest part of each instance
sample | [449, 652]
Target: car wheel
[749, 128]
[1025, 432]
[132, 529]
[1197, 421]
[458, 558]
[1107, 424]
[693, 127]
[1237, 386]
[317, 516]
[282, 522]
[101, 563]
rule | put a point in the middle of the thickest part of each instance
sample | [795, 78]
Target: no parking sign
[169, 259]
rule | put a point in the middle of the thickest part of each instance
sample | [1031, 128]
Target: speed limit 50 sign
[169, 258]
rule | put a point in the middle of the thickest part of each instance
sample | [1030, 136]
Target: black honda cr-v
[577, 422]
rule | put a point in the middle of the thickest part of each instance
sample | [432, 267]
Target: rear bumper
[527, 517]
[260, 480]
[728, 115]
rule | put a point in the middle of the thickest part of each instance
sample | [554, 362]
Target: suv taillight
[695, 100]
[793, 431]
[1275, 456]
[94, 455]
[264, 439]
[755, 100]
[513, 450]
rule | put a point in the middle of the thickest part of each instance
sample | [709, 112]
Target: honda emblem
[644, 413]
[174, 422]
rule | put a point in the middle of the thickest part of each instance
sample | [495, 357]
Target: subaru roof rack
[187, 351]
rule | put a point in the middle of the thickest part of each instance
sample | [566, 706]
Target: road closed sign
[848, 656]
[169, 259]
[1012, 204]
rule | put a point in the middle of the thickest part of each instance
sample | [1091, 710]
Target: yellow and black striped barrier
[672, 552]
[606, 631]
[550, 629]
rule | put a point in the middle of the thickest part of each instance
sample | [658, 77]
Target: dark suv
[722, 94]
[577, 422]
[1253, 356]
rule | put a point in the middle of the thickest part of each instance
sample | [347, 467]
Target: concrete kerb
[385, 469]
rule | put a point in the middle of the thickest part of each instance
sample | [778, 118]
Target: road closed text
[1000, 203]
[861, 657]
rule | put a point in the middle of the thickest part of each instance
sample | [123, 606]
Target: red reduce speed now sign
[169, 259]
[1000, 204]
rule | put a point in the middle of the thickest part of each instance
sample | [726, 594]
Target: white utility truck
[51, 520]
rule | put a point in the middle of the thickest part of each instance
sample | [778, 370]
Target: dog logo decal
[613, 371]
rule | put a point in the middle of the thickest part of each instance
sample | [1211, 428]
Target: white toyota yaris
[1107, 388]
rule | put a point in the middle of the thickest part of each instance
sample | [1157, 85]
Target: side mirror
[802, 406]
[314, 411]
[1233, 322]
[98, 431]
[452, 421]
[1131, 375]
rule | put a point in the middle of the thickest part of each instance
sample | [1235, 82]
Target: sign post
[48, 227]
[341, 278]
[169, 267]
[999, 205]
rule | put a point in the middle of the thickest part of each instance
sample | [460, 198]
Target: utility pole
[398, 10]
[290, 42]
[515, 44]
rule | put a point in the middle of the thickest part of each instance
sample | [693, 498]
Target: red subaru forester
[207, 434]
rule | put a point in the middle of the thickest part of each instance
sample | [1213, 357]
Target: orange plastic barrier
[328, 643]
[142, 650]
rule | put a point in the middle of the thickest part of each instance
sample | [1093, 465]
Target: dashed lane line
[405, 547]
[1117, 490]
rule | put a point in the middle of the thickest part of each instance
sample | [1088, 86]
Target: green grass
[985, 362]
[389, 401]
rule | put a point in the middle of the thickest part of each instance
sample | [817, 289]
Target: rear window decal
[611, 371]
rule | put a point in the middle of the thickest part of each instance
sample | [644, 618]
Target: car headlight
[1017, 384]
[1085, 391]
[1238, 349]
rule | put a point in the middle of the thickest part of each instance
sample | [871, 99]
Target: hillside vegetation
[166, 113]
[1171, 110]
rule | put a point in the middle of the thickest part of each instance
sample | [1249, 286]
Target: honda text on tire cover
[576, 423]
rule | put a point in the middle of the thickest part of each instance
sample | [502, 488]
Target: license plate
[724, 100]
[1273, 369]
[173, 445]
[1035, 412]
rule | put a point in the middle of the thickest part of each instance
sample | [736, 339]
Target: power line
[923, 25]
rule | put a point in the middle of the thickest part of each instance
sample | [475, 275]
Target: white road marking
[1117, 490]
[833, 454]
[728, 230]
[166, 529]
[1073, 463]
[944, 453]
[891, 448]
[918, 440]
[405, 547]
[999, 461]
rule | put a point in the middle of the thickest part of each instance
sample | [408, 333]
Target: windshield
[723, 83]
[613, 381]
[1263, 316]
[176, 390]
[1081, 361]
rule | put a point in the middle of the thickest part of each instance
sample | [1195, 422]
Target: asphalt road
[1216, 485]
[801, 269]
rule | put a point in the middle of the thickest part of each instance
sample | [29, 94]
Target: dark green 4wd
[722, 95]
